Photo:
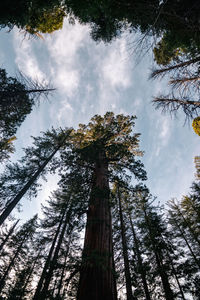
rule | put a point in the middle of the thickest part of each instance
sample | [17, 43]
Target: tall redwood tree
[108, 146]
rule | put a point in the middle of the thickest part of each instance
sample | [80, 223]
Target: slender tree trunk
[139, 258]
[63, 273]
[47, 262]
[23, 191]
[53, 262]
[187, 243]
[129, 292]
[22, 92]
[8, 235]
[31, 272]
[193, 233]
[177, 66]
[159, 261]
[164, 278]
[96, 276]
[175, 275]
[11, 264]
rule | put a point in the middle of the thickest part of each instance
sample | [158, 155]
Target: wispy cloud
[116, 69]
[26, 59]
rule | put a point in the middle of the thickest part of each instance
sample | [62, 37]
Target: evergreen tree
[62, 221]
[19, 178]
[155, 240]
[18, 248]
[184, 83]
[105, 144]
[33, 16]
[6, 237]
[17, 97]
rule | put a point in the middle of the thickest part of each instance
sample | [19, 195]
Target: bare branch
[163, 71]
[171, 105]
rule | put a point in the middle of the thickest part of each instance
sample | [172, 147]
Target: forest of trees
[102, 234]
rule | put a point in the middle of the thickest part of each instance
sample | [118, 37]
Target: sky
[91, 79]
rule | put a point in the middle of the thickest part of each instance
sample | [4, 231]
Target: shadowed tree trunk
[129, 292]
[60, 284]
[139, 258]
[8, 235]
[176, 276]
[182, 235]
[159, 261]
[11, 264]
[23, 191]
[54, 260]
[96, 275]
[47, 262]
[186, 63]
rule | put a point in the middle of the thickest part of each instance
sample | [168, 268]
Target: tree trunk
[139, 257]
[8, 235]
[58, 295]
[47, 262]
[31, 272]
[175, 275]
[23, 191]
[53, 262]
[11, 264]
[187, 243]
[22, 92]
[159, 261]
[193, 233]
[96, 275]
[174, 67]
[129, 292]
[164, 278]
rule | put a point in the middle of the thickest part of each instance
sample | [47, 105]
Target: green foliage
[33, 16]
[113, 137]
[166, 51]
[17, 98]
[15, 104]
[172, 47]
[6, 148]
[17, 175]
[47, 21]
[196, 125]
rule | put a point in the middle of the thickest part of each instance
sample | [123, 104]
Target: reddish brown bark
[96, 276]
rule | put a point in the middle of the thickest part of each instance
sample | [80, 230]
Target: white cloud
[25, 58]
[67, 81]
[115, 67]
[63, 47]
[165, 130]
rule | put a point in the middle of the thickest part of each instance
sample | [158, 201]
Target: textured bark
[96, 275]
[129, 292]
[139, 258]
